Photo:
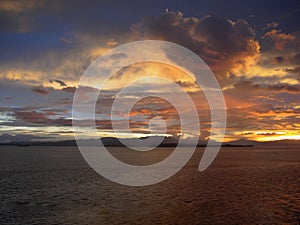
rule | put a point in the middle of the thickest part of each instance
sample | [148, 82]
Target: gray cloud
[19, 138]
[61, 83]
[40, 90]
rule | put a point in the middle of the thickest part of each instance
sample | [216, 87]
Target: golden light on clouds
[280, 39]
[257, 68]
[287, 136]
[269, 135]
[244, 63]
[129, 74]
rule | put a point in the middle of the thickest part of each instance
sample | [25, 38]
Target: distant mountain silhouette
[265, 143]
[167, 142]
[244, 142]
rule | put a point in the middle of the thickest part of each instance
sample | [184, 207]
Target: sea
[243, 185]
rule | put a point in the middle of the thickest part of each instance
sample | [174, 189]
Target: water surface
[54, 185]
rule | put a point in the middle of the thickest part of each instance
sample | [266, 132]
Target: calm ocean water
[54, 185]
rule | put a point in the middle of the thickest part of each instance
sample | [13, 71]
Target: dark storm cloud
[61, 83]
[212, 32]
[222, 43]
[225, 35]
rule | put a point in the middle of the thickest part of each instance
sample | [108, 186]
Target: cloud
[54, 65]
[40, 90]
[295, 70]
[17, 6]
[41, 118]
[281, 41]
[260, 77]
[296, 58]
[66, 40]
[61, 83]
[20, 17]
[224, 44]
[285, 88]
[111, 43]
[252, 106]
[279, 59]
[6, 138]
[272, 25]
[69, 89]
[234, 53]
[248, 86]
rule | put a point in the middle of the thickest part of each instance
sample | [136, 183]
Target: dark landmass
[167, 142]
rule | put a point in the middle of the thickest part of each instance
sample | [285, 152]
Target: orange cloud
[280, 39]
[129, 74]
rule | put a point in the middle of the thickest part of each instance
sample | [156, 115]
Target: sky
[252, 47]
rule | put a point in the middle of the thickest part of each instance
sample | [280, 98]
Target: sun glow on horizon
[280, 138]
[269, 135]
